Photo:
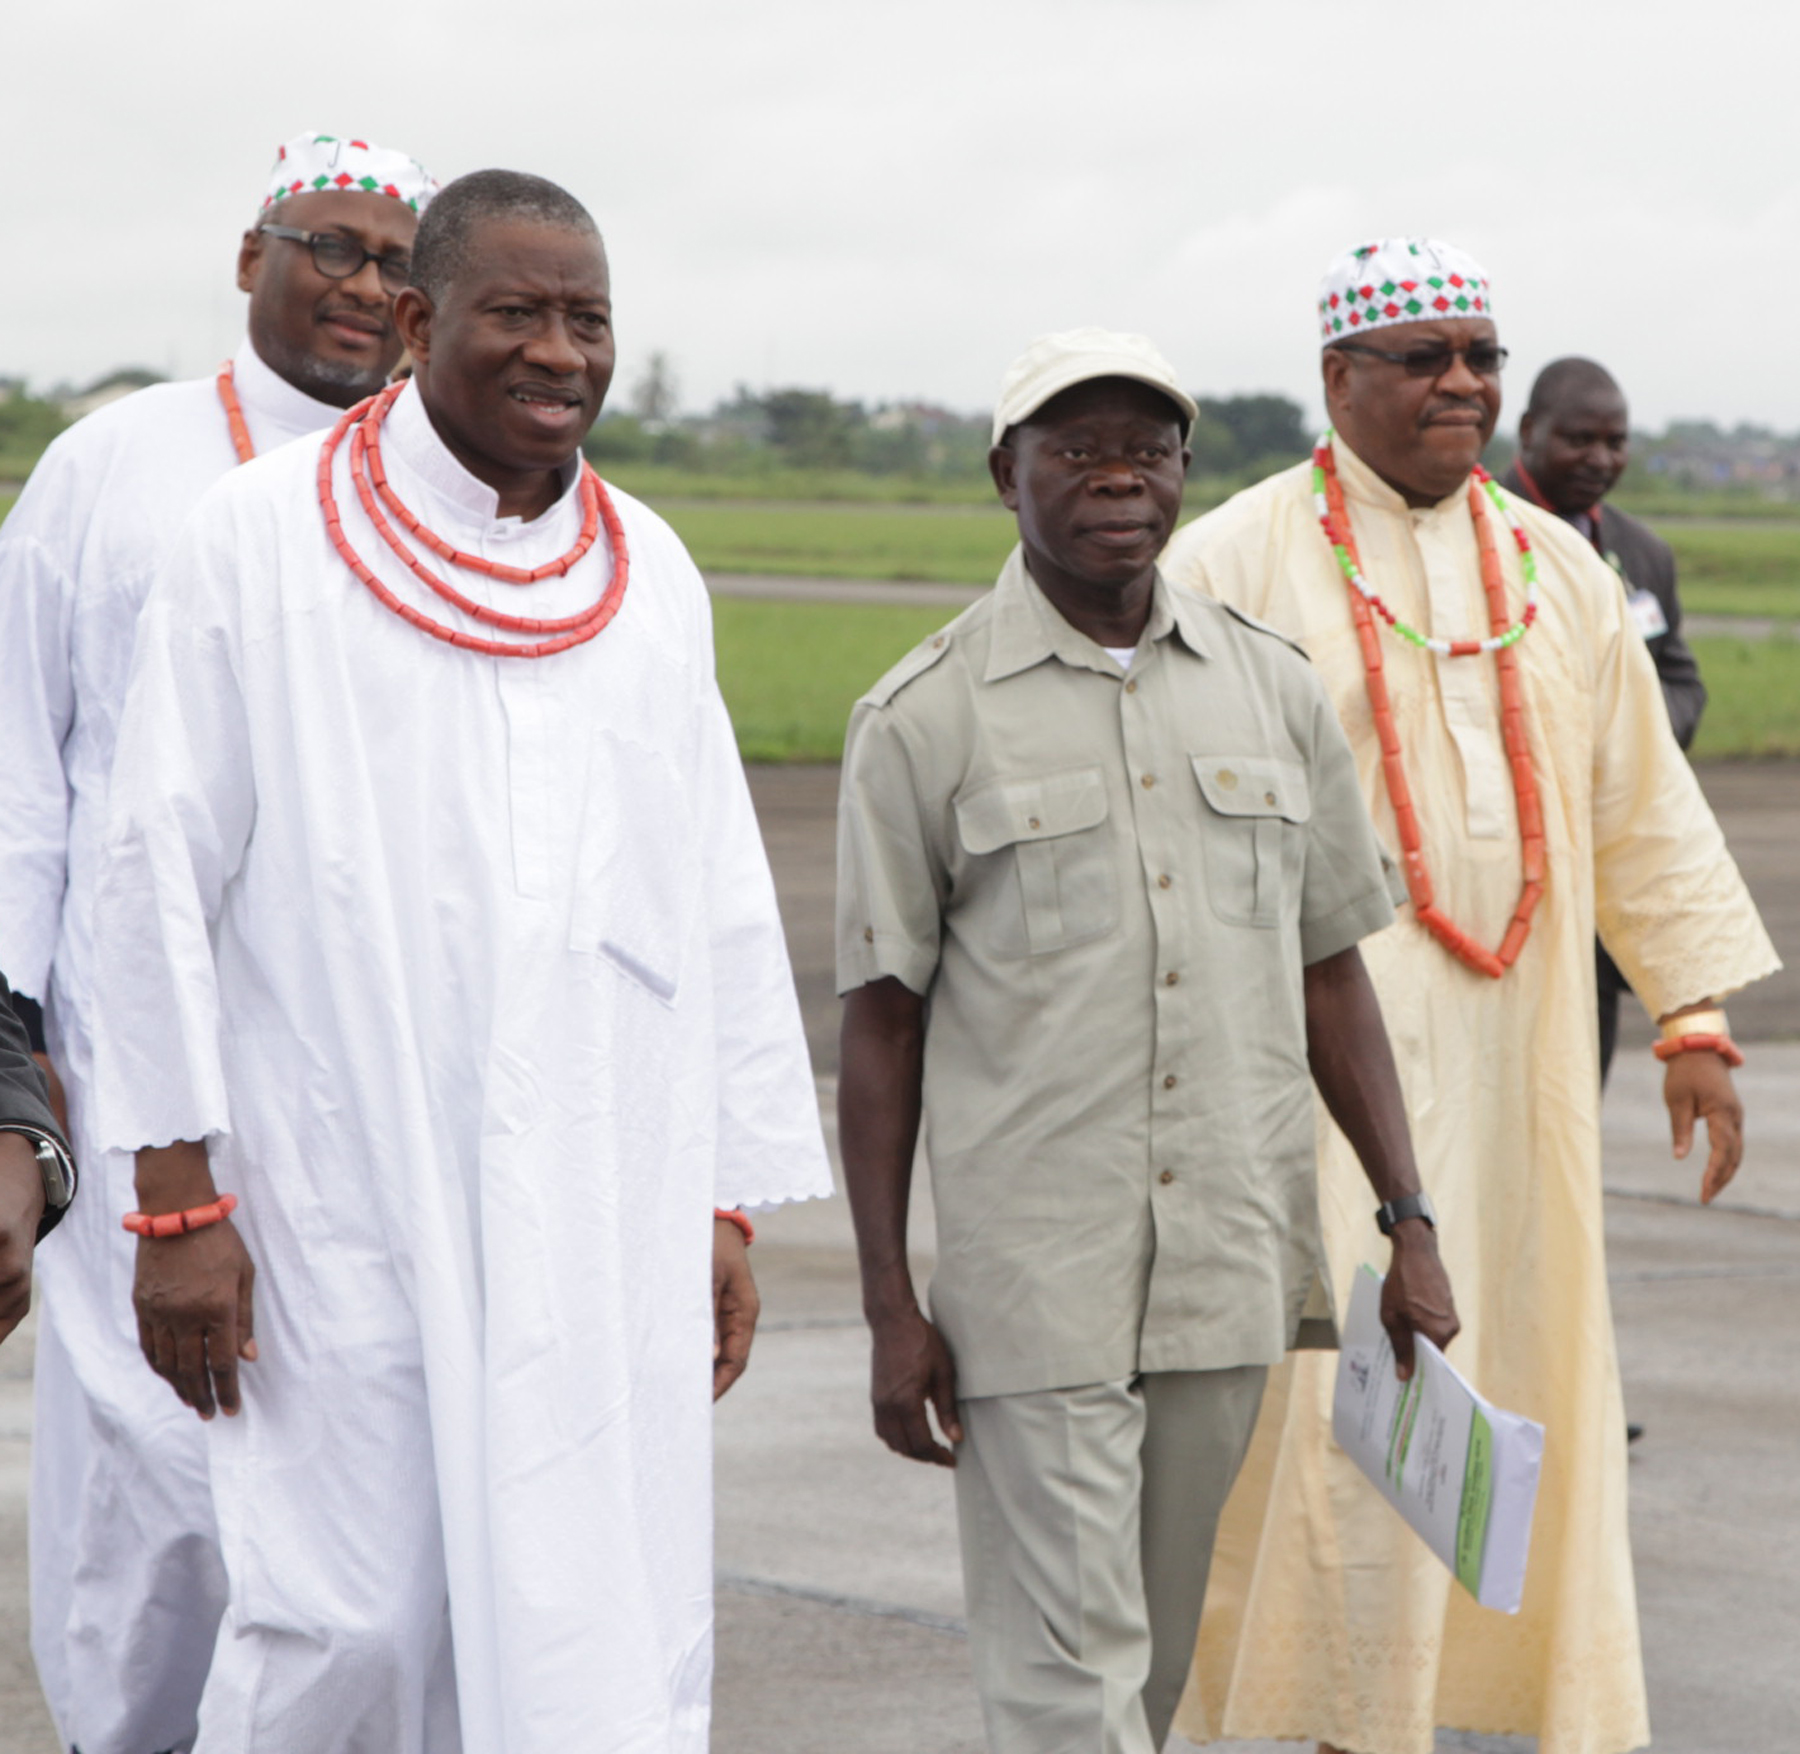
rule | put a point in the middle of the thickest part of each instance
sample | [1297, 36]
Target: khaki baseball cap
[1054, 363]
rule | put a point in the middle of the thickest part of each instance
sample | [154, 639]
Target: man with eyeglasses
[126, 1581]
[1514, 749]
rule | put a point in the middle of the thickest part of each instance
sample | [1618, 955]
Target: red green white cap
[330, 164]
[1054, 363]
[1400, 280]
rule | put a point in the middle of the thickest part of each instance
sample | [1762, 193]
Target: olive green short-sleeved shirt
[1108, 884]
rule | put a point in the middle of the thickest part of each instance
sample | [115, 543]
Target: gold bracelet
[1695, 1023]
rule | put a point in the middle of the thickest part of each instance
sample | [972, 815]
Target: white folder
[1463, 1472]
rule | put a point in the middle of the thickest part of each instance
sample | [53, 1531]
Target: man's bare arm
[192, 1293]
[880, 1096]
[1353, 1066]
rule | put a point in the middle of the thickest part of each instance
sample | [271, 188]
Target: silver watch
[54, 1165]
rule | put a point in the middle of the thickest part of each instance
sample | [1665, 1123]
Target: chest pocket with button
[1252, 834]
[1043, 876]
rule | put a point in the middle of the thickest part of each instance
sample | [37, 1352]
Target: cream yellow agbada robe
[1326, 1616]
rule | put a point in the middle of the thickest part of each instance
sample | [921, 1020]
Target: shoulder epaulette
[913, 665]
[1250, 620]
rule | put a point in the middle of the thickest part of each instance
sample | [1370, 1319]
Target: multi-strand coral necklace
[1328, 497]
[362, 425]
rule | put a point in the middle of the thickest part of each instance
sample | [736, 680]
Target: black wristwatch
[1407, 1206]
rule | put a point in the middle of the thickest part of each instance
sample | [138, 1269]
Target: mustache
[348, 304]
[1452, 405]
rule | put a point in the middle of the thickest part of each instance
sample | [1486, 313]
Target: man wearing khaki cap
[1103, 869]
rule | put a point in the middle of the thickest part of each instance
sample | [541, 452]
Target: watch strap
[1394, 1212]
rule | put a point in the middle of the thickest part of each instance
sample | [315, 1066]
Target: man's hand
[736, 1305]
[1415, 1296]
[1698, 1086]
[194, 1316]
[193, 1292]
[912, 1371]
[21, 1206]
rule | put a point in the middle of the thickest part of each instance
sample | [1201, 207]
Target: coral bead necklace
[241, 442]
[362, 425]
[1365, 605]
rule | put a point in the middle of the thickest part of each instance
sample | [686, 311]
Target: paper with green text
[1463, 1472]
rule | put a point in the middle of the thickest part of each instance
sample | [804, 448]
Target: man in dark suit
[1574, 440]
[37, 1175]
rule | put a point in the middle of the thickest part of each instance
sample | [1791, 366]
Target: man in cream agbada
[1513, 746]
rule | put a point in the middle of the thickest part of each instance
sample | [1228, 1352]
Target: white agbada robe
[126, 1587]
[470, 971]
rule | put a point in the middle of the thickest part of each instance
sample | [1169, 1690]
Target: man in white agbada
[1325, 1617]
[126, 1586]
[464, 964]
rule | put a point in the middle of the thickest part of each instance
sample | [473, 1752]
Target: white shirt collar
[267, 395]
[408, 434]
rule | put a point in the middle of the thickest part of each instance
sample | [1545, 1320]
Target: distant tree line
[1235, 439]
[27, 424]
[807, 429]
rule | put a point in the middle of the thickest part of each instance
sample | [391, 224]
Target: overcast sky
[888, 200]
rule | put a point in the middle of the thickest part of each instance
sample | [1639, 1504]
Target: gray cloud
[889, 199]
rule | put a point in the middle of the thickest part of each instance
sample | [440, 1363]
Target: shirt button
[1032, 822]
[1164, 881]
[1169, 1082]
[1269, 798]
[1167, 1176]
[1227, 779]
[1148, 781]
[1131, 687]
[936, 643]
[1170, 978]
[868, 934]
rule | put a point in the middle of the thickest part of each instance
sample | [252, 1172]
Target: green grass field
[1725, 569]
[790, 673]
[942, 544]
[1753, 697]
[1736, 569]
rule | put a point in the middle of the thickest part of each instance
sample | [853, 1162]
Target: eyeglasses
[1484, 358]
[338, 257]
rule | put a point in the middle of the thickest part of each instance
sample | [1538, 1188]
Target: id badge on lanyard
[1646, 611]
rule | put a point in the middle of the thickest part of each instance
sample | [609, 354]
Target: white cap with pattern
[325, 164]
[1400, 280]
[1054, 363]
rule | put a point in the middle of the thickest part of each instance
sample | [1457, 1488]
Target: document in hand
[1461, 1471]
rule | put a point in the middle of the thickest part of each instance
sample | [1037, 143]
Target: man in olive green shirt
[1103, 866]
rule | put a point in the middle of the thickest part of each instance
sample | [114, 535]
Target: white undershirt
[1121, 655]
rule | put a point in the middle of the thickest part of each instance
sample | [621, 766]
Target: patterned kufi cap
[324, 164]
[1400, 280]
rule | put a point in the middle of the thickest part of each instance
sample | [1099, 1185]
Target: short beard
[340, 382]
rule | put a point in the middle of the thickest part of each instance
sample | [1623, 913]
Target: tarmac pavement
[840, 1602]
